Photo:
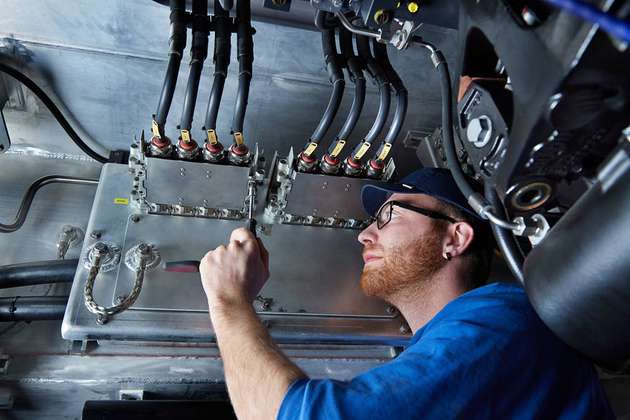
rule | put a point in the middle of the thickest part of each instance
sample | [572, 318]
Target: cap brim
[373, 197]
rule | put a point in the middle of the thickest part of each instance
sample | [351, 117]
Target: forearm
[256, 372]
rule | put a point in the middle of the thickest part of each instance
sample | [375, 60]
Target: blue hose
[614, 26]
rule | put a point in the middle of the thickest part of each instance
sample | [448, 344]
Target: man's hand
[235, 273]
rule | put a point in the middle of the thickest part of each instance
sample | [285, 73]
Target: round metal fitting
[330, 165]
[530, 196]
[352, 167]
[413, 7]
[374, 168]
[306, 163]
[239, 155]
[187, 150]
[479, 131]
[213, 152]
[160, 147]
[109, 253]
[141, 251]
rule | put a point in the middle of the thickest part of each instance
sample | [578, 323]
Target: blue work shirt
[484, 355]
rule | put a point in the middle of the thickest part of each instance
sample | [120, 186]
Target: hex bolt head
[479, 131]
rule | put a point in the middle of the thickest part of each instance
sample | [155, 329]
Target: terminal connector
[187, 150]
[160, 146]
[352, 167]
[330, 165]
[306, 163]
[239, 155]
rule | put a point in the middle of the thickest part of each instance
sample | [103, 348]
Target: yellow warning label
[338, 148]
[362, 150]
[212, 137]
[386, 148]
[155, 129]
[120, 200]
[186, 135]
[310, 149]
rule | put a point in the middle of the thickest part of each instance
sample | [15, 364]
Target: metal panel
[195, 184]
[327, 196]
[314, 287]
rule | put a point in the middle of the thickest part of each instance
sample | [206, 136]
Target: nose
[368, 235]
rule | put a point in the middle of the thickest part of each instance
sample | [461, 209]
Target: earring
[446, 255]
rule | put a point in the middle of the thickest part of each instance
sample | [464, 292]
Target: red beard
[410, 265]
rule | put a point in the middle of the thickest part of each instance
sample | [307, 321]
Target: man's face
[404, 253]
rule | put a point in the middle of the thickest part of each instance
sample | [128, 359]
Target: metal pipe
[245, 47]
[221, 58]
[27, 200]
[198, 53]
[504, 237]
[356, 30]
[32, 308]
[40, 272]
[177, 43]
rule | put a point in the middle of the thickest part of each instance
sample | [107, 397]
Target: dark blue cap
[436, 182]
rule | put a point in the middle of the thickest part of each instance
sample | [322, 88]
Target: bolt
[102, 319]
[95, 234]
[100, 248]
[144, 249]
[479, 131]
[135, 218]
[404, 329]
[119, 300]
[391, 309]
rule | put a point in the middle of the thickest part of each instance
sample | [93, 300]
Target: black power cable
[40, 272]
[54, 110]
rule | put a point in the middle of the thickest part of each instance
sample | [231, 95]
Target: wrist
[222, 303]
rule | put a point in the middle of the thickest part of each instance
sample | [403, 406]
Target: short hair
[480, 250]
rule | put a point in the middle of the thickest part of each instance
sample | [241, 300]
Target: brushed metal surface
[314, 279]
[327, 196]
[195, 184]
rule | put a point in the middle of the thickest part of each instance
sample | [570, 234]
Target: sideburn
[408, 267]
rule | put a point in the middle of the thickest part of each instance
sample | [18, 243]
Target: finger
[264, 254]
[242, 235]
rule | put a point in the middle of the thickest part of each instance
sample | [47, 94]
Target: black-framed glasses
[384, 214]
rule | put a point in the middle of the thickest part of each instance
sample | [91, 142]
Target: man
[476, 352]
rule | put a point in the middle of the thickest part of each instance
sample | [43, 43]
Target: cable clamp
[155, 129]
[308, 151]
[365, 146]
[384, 151]
[238, 138]
[212, 136]
[338, 148]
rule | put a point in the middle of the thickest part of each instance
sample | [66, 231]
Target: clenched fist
[235, 273]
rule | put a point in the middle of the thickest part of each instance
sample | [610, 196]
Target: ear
[458, 238]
